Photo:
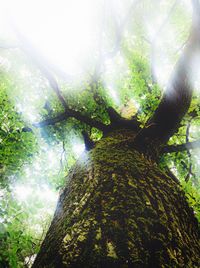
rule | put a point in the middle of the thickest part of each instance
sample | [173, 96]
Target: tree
[120, 208]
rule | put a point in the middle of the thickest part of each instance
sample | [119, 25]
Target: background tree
[122, 205]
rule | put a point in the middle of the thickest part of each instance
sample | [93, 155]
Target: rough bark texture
[120, 210]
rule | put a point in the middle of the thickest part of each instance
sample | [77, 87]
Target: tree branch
[118, 121]
[32, 52]
[75, 114]
[181, 147]
[89, 143]
[70, 112]
[177, 97]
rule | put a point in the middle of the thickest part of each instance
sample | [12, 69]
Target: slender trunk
[120, 210]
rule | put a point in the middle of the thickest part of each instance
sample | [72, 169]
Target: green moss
[67, 238]
[121, 210]
[111, 250]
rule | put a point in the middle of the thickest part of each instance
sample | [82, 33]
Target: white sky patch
[63, 30]
[187, 5]
[194, 129]
[45, 165]
[78, 148]
[26, 192]
[31, 95]
[195, 76]
[25, 73]
[4, 62]
[198, 159]
[116, 70]
[163, 69]
[45, 162]
[29, 113]
[30, 260]
[47, 194]
[5, 29]
[173, 168]
[153, 23]
[194, 133]
[116, 65]
[2, 192]
[113, 94]
[162, 63]
[118, 7]
[39, 200]
[52, 157]
[22, 192]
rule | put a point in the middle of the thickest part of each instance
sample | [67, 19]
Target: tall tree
[118, 208]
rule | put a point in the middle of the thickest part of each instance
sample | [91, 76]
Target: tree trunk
[120, 210]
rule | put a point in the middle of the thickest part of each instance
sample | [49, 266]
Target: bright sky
[63, 30]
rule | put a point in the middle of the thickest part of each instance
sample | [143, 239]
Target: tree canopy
[75, 74]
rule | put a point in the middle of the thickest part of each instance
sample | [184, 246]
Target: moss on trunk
[120, 210]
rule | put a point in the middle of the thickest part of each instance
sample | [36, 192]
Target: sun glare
[62, 30]
[22, 192]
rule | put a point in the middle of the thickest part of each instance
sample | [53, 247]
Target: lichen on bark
[119, 209]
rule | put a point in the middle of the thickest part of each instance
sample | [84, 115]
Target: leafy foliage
[17, 141]
[35, 161]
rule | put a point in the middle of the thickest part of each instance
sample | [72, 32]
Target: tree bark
[119, 209]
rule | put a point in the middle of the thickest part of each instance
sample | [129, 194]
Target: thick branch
[89, 143]
[118, 121]
[176, 99]
[71, 113]
[181, 147]
[51, 121]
